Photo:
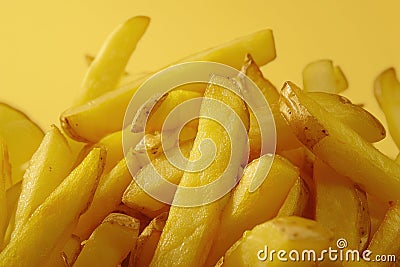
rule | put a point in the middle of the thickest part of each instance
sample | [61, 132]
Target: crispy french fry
[296, 201]
[243, 209]
[106, 199]
[322, 76]
[22, 136]
[59, 211]
[147, 242]
[109, 65]
[332, 190]
[85, 123]
[354, 116]
[4, 173]
[50, 164]
[66, 253]
[136, 198]
[284, 136]
[189, 231]
[387, 92]
[339, 146]
[284, 233]
[110, 243]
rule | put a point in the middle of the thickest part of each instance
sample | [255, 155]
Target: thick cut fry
[332, 191]
[284, 233]
[136, 198]
[65, 253]
[386, 240]
[109, 65]
[339, 146]
[322, 76]
[106, 199]
[59, 211]
[189, 232]
[22, 137]
[4, 174]
[86, 122]
[110, 243]
[285, 139]
[354, 116]
[50, 164]
[387, 92]
[147, 242]
[296, 201]
[243, 210]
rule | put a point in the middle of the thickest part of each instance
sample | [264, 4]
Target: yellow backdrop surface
[43, 43]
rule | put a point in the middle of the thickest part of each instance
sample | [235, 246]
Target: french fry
[106, 199]
[147, 242]
[189, 231]
[332, 190]
[59, 211]
[136, 198]
[50, 164]
[387, 92]
[296, 201]
[377, 210]
[322, 76]
[12, 196]
[143, 219]
[65, 254]
[284, 233]
[243, 209]
[4, 174]
[109, 65]
[284, 137]
[22, 137]
[85, 123]
[339, 146]
[354, 116]
[110, 243]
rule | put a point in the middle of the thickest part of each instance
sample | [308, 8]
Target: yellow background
[43, 43]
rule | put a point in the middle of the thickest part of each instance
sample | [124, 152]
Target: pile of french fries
[68, 198]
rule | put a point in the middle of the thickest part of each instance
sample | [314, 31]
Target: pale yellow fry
[65, 253]
[110, 243]
[243, 209]
[107, 197]
[387, 92]
[59, 211]
[50, 164]
[86, 122]
[296, 201]
[109, 65]
[3, 197]
[147, 242]
[189, 232]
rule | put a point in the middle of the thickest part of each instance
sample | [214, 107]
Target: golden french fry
[22, 137]
[339, 146]
[332, 190]
[387, 92]
[109, 65]
[60, 211]
[283, 233]
[296, 201]
[136, 198]
[354, 116]
[4, 174]
[322, 76]
[66, 254]
[106, 199]
[144, 220]
[85, 123]
[147, 242]
[242, 211]
[50, 164]
[189, 231]
[284, 137]
[110, 243]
